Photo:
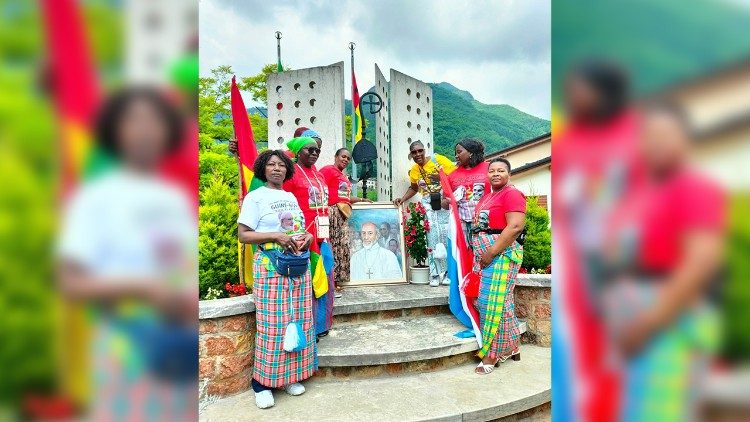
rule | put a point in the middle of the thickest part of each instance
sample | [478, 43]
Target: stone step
[392, 346]
[372, 303]
[455, 394]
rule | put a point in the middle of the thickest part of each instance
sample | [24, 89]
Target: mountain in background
[660, 42]
[457, 115]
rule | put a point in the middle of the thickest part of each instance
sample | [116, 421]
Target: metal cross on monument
[375, 104]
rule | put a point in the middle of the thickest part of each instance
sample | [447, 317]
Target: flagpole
[278, 52]
[354, 130]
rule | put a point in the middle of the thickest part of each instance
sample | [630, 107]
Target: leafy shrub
[736, 295]
[217, 236]
[537, 250]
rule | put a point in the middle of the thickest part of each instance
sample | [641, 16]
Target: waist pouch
[168, 348]
[520, 239]
[288, 264]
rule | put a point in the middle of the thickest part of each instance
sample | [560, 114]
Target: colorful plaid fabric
[497, 318]
[661, 383]
[274, 367]
[124, 388]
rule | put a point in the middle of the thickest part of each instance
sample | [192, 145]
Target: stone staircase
[392, 356]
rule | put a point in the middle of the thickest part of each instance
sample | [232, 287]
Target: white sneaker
[264, 399]
[446, 281]
[295, 389]
[434, 282]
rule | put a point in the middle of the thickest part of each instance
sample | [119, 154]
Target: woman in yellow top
[424, 177]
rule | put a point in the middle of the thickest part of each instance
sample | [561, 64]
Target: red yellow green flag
[75, 89]
[74, 85]
[247, 153]
[357, 116]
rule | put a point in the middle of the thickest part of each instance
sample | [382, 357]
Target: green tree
[256, 84]
[537, 250]
[217, 238]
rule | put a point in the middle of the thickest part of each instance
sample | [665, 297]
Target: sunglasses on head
[313, 150]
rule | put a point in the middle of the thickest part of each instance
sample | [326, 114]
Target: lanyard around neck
[320, 186]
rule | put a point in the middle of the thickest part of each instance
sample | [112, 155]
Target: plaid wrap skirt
[497, 316]
[273, 366]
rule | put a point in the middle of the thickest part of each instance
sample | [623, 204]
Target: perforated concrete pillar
[313, 98]
[410, 119]
[383, 138]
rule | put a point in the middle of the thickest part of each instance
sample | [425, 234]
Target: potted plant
[235, 289]
[416, 228]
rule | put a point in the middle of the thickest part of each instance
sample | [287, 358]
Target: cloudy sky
[497, 50]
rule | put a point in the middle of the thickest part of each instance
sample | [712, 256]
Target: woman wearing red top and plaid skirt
[340, 200]
[272, 219]
[499, 219]
[311, 191]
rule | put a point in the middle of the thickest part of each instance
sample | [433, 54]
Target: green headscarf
[184, 73]
[296, 144]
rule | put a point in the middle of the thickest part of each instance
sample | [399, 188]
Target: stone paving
[455, 394]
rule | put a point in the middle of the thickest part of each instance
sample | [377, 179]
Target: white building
[531, 168]
[158, 33]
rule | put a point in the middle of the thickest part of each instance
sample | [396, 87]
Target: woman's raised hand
[286, 242]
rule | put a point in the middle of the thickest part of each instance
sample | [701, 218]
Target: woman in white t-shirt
[127, 251]
[272, 218]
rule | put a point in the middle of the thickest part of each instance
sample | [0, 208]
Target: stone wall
[313, 98]
[533, 303]
[227, 333]
[226, 345]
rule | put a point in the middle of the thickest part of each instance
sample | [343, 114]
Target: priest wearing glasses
[373, 262]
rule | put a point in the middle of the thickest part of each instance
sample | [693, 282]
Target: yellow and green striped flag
[357, 117]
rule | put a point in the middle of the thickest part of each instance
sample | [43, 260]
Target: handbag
[168, 348]
[471, 286]
[345, 209]
[286, 263]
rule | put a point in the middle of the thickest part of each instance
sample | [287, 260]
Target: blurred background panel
[695, 56]
[59, 60]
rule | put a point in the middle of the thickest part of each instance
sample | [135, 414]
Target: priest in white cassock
[373, 262]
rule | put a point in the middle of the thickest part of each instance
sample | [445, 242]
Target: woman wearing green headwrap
[309, 187]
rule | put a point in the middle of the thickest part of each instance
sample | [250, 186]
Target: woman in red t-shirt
[340, 200]
[309, 187]
[499, 219]
[666, 243]
[468, 182]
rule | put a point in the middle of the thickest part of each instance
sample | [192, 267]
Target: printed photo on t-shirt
[286, 221]
[343, 190]
[483, 219]
[477, 192]
[316, 198]
[291, 222]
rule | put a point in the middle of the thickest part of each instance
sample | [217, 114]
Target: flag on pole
[460, 263]
[279, 67]
[75, 89]
[357, 112]
[74, 86]
[246, 153]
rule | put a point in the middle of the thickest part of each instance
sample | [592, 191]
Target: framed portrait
[376, 245]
